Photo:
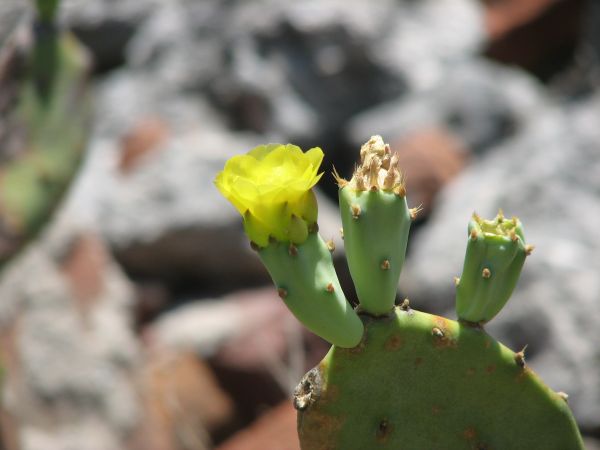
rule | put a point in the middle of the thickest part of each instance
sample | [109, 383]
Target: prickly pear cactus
[44, 116]
[395, 378]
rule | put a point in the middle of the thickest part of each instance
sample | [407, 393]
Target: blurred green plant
[46, 118]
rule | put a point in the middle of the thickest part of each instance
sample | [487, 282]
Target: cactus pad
[423, 382]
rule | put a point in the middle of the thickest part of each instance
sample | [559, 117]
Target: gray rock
[424, 39]
[70, 385]
[302, 69]
[165, 219]
[12, 14]
[105, 26]
[482, 102]
[548, 177]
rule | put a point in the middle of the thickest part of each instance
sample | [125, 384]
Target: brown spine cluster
[378, 169]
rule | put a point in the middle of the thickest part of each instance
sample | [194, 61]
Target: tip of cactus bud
[329, 288]
[473, 235]
[282, 293]
[456, 281]
[378, 169]
[486, 273]
[415, 211]
[330, 245]
[500, 215]
[342, 232]
[385, 264]
[563, 395]
[355, 211]
[529, 249]
[292, 250]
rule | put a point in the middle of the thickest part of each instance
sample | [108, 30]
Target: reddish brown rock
[256, 348]
[84, 267]
[275, 430]
[68, 354]
[538, 35]
[143, 139]
[430, 158]
[183, 403]
[262, 363]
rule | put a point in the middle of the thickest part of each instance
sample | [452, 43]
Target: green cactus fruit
[422, 382]
[376, 221]
[495, 255]
[49, 123]
[307, 282]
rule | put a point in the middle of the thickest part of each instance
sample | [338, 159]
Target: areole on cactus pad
[395, 378]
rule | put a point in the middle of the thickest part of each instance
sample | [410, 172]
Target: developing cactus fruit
[496, 253]
[403, 379]
[376, 220]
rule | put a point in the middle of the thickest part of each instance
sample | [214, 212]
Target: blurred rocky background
[140, 318]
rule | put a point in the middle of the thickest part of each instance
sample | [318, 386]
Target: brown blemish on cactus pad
[470, 434]
[393, 343]
[384, 430]
[310, 426]
[331, 393]
[523, 374]
[308, 390]
[471, 371]
[490, 369]
[436, 410]
[441, 333]
[418, 361]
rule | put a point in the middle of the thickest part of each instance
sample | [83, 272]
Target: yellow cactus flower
[270, 186]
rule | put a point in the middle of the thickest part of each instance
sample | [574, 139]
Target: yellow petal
[270, 184]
